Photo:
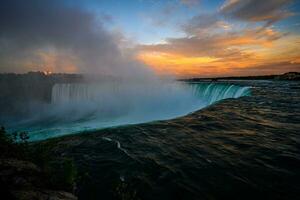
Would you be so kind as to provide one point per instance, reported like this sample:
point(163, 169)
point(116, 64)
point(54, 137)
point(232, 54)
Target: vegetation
point(14, 145)
point(54, 173)
point(46, 171)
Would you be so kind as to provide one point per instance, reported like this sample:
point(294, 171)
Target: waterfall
point(213, 92)
point(208, 92)
point(71, 92)
point(77, 107)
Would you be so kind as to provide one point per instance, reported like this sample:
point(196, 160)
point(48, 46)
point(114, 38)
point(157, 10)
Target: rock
point(44, 195)
point(19, 174)
point(19, 165)
point(23, 180)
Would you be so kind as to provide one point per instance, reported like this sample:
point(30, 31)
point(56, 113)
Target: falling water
point(79, 107)
point(213, 92)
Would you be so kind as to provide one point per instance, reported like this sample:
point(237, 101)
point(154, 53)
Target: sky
point(181, 38)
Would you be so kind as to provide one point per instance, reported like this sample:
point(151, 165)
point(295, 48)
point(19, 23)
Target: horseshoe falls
point(81, 107)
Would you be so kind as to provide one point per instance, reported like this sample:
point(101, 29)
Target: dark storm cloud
point(269, 11)
point(54, 34)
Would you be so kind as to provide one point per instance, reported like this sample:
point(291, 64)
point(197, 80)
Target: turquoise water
point(79, 108)
point(244, 148)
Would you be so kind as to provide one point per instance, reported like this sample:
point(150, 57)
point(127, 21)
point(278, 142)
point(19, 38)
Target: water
point(244, 148)
point(82, 107)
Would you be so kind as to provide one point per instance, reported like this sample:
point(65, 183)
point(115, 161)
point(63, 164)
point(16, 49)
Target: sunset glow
point(178, 38)
point(250, 55)
point(150, 99)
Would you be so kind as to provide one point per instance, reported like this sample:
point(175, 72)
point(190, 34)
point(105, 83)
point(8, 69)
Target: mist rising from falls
point(81, 107)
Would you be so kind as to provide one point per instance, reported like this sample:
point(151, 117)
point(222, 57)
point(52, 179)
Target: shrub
point(58, 173)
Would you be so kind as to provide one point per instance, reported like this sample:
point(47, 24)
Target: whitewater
point(83, 107)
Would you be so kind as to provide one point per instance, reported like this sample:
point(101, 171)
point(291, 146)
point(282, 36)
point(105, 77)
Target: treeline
point(293, 76)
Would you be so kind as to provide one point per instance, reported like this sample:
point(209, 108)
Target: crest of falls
point(207, 92)
point(213, 92)
point(77, 107)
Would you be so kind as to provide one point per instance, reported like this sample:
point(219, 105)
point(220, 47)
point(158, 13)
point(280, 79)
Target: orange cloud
point(215, 47)
point(224, 54)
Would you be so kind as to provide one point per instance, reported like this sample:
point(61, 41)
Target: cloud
point(269, 68)
point(215, 45)
point(268, 11)
point(205, 24)
point(161, 17)
point(38, 35)
point(224, 54)
point(189, 2)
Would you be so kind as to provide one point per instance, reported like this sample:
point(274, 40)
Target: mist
point(114, 88)
point(61, 36)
